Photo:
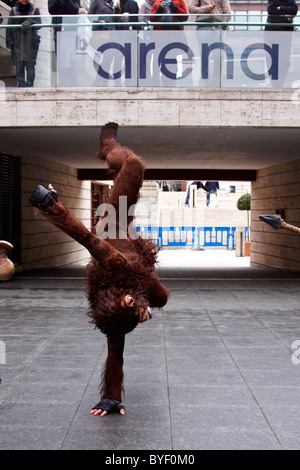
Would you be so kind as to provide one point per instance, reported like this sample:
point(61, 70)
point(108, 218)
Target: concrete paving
point(217, 368)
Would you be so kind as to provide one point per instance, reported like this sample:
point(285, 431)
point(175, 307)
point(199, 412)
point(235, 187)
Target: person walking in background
point(24, 41)
point(218, 11)
point(163, 12)
point(211, 187)
point(281, 11)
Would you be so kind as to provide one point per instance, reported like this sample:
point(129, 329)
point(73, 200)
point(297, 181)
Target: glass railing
point(96, 51)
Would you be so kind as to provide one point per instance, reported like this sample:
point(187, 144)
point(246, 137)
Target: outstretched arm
point(57, 213)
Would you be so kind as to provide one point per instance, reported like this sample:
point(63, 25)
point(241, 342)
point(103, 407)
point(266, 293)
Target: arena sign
point(175, 59)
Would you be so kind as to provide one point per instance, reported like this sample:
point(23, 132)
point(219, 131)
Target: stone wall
point(276, 188)
point(43, 245)
point(194, 107)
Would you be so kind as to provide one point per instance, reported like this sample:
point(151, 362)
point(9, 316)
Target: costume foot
point(109, 131)
point(43, 198)
point(107, 406)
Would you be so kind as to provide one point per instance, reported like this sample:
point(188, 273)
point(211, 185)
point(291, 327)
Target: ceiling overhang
point(190, 174)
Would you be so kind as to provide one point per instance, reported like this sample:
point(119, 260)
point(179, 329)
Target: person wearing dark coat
point(1, 19)
point(198, 184)
point(125, 7)
point(24, 41)
point(102, 7)
point(211, 187)
point(62, 7)
point(281, 11)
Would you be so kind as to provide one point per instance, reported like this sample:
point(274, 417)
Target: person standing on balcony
point(102, 7)
point(280, 18)
point(62, 7)
point(217, 11)
point(281, 11)
point(126, 8)
point(144, 12)
point(24, 41)
point(163, 12)
point(211, 187)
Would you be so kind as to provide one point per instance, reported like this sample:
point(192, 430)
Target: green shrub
point(244, 202)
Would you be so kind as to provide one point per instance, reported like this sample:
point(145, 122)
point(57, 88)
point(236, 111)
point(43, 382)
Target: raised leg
point(128, 167)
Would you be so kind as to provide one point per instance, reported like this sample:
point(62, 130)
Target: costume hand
point(107, 406)
point(26, 24)
point(43, 198)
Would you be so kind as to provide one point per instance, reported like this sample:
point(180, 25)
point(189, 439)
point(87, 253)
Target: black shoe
point(42, 197)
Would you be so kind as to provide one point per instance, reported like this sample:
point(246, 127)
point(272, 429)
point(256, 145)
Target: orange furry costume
point(121, 282)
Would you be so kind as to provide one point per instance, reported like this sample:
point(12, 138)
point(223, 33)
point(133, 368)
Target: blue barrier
point(152, 233)
point(213, 236)
point(195, 237)
point(177, 236)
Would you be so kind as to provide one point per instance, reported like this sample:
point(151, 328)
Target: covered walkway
point(213, 370)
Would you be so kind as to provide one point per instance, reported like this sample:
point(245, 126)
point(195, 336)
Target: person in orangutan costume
point(121, 283)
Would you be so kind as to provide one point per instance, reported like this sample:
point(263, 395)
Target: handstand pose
point(121, 282)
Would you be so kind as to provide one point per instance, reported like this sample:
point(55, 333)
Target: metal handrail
point(77, 22)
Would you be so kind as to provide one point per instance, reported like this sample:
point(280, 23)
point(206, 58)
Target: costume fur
point(119, 266)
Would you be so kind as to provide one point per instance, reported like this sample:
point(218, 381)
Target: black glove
point(109, 405)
